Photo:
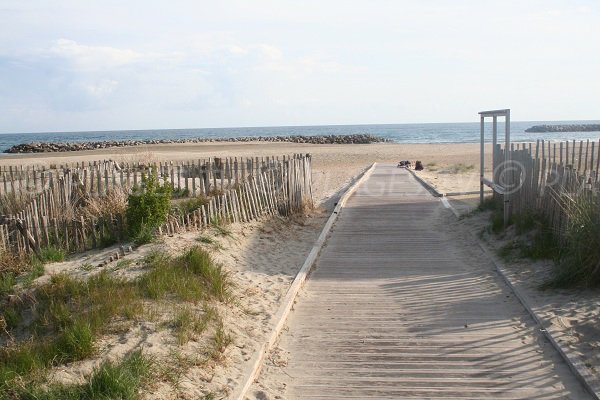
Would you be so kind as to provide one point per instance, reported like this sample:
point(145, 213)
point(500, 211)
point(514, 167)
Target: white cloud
point(101, 88)
point(93, 57)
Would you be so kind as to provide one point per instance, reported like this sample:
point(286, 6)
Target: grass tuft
point(186, 206)
point(221, 340)
point(579, 262)
point(190, 277)
point(144, 235)
point(189, 324)
point(52, 254)
point(221, 230)
point(205, 239)
point(121, 380)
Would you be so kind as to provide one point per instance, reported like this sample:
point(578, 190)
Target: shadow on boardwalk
point(399, 306)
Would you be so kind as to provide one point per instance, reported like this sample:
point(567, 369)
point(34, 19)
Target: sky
point(70, 65)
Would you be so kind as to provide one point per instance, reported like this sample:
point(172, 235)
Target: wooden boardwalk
point(400, 308)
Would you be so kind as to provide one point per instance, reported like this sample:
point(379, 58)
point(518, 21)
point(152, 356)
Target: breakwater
point(564, 128)
point(51, 147)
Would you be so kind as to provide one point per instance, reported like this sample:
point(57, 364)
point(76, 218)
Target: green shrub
point(147, 207)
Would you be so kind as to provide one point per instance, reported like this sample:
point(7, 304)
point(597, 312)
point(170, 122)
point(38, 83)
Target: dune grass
point(183, 207)
point(52, 254)
point(576, 256)
point(188, 324)
point(64, 319)
point(121, 380)
point(579, 261)
point(65, 316)
point(191, 277)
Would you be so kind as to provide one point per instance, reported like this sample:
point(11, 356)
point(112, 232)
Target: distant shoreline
point(57, 147)
point(467, 132)
point(564, 128)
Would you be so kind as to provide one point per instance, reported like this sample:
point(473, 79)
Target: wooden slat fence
point(239, 190)
point(543, 173)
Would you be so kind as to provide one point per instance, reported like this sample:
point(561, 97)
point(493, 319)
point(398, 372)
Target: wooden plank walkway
point(400, 307)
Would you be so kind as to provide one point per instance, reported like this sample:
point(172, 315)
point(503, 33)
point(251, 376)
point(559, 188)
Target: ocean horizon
point(435, 132)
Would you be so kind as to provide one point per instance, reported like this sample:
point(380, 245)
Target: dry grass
point(579, 260)
point(114, 202)
point(13, 203)
point(14, 262)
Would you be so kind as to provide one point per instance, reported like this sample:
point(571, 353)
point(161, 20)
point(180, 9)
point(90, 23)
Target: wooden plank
point(580, 155)
point(587, 148)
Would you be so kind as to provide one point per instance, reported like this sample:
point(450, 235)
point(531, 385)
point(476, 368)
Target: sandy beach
point(449, 167)
point(264, 256)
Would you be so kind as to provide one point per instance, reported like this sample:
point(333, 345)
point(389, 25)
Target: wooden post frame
point(494, 114)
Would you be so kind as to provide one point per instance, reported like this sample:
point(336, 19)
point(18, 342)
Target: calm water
point(400, 133)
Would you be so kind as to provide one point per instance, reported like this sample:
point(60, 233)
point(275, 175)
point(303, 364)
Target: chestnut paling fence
point(543, 176)
point(237, 190)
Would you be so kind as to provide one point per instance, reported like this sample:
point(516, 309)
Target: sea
point(465, 132)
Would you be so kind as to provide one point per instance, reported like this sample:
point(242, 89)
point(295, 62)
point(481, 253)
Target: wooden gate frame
point(494, 114)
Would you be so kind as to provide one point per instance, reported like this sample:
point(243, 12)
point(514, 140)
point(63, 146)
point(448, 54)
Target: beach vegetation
point(111, 380)
point(192, 276)
point(62, 319)
point(221, 340)
point(114, 202)
point(186, 206)
point(52, 254)
point(147, 207)
point(579, 258)
point(490, 203)
point(221, 230)
point(179, 193)
point(13, 203)
point(18, 268)
point(188, 323)
point(205, 239)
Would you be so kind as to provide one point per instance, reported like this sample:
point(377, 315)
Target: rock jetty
point(49, 147)
point(565, 128)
